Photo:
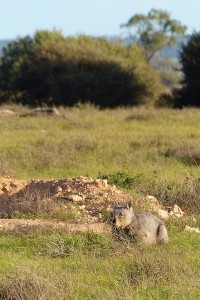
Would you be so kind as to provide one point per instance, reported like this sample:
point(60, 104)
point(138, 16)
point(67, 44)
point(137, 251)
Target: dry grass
point(27, 283)
point(35, 202)
point(188, 152)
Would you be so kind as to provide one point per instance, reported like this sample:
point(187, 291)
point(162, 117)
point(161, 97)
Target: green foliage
point(155, 30)
point(52, 70)
point(43, 37)
point(14, 55)
point(190, 60)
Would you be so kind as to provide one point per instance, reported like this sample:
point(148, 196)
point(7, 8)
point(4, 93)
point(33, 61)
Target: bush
point(123, 180)
point(52, 70)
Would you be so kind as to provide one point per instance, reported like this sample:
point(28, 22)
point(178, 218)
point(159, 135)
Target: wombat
point(144, 226)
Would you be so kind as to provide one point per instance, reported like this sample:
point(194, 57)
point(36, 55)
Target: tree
point(154, 31)
point(55, 70)
point(14, 54)
point(189, 95)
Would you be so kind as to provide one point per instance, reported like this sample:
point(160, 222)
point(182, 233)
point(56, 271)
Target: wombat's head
point(122, 216)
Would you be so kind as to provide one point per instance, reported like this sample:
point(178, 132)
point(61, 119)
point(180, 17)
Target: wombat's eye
point(121, 214)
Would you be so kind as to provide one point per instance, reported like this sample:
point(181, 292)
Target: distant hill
point(172, 52)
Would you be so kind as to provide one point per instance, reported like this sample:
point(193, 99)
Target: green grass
point(143, 151)
point(91, 266)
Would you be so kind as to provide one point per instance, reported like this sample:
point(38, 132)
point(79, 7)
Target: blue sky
point(97, 18)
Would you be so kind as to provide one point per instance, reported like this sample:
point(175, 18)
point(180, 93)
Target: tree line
point(50, 69)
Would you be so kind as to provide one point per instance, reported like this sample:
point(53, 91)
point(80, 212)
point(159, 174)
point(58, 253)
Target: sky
point(19, 18)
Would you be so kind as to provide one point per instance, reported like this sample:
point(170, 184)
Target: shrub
point(122, 179)
point(52, 70)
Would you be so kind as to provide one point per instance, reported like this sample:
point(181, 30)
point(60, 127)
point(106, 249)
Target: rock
point(75, 198)
point(82, 207)
point(191, 229)
point(163, 214)
point(153, 203)
point(151, 198)
point(194, 219)
point(98, 181)
point(58, 189)
point(174, 211)
point(178, 215)
point(104, 183)
point(177, 210)
point(113, 189)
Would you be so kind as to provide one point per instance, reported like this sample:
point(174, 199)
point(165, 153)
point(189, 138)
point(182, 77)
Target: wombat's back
point(150, 229)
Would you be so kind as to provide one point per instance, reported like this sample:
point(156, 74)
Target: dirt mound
point(83, 203)
point(90, 200)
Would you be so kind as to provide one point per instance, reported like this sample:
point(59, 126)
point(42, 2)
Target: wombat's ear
point(129, 205)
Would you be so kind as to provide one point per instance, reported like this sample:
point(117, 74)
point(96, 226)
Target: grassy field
point(47, 265)
point(90, 142)
point(143, 151)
